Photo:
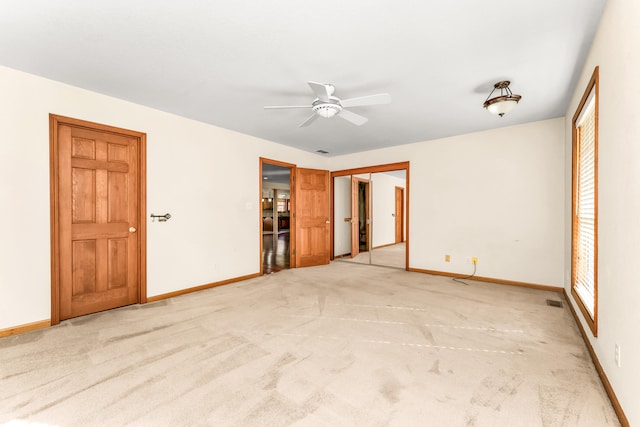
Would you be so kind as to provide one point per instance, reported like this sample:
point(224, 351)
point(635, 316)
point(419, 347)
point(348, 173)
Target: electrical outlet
point(474, 260)
point(447, 258)
point(617, 356)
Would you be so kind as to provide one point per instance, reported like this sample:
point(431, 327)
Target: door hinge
point(294, 252)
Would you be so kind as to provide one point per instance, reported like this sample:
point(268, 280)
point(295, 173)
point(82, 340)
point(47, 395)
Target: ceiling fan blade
point(321, 91)
point(279, 107)
point(354, 118)
point(381, 98)
point(309, 120)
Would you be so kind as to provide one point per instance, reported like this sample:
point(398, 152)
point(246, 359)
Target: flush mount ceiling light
point(504, 103)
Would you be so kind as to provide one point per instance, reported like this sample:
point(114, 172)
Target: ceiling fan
point(326, 105)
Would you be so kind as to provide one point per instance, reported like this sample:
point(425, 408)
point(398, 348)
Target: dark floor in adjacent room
point(275, 252)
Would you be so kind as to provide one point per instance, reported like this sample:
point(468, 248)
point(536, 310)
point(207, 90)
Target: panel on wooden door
point(312, 217)
point(98, 188)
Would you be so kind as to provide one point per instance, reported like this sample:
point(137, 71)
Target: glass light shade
point(326, 109)
point(327, 112)
point(502, 104)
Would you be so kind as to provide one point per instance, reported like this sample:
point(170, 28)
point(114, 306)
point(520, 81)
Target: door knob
point(328, 222)
point(132, 230)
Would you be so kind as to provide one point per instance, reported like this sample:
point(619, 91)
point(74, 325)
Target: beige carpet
point(338, 345)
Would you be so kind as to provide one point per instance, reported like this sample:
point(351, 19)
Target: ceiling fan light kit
point(505, 102)
point(326, 105)
point(326, 109)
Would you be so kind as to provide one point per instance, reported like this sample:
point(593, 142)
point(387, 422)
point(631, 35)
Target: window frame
point(592, 321)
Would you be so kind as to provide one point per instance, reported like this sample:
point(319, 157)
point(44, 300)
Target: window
point(584, 251)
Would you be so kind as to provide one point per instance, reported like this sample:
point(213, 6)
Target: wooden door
point(97, 219)
point(399, 215)
point(312, 217)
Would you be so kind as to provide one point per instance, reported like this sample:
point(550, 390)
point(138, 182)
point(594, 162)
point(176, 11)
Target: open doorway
point(275, 215)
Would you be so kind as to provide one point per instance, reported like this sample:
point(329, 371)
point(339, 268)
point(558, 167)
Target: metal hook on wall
point(161, 218)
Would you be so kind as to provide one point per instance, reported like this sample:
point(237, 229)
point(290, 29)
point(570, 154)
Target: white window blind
point(585, 214)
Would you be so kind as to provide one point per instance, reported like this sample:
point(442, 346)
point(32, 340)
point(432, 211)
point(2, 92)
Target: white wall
point(384, 207)
point(186, 162)
point(616, 49)
point(497, 195)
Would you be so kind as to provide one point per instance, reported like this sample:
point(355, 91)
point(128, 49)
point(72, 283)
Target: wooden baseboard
point(201, 287)
point(25, 328)
point(603, 377)
point(491, 280)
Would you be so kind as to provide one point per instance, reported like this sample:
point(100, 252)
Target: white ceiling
point(221, 61)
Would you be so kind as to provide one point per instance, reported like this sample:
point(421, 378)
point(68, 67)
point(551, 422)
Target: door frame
point(55, 121)
point(373, 169)
point(292, 215)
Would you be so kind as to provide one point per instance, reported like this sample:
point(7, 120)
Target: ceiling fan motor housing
point(327, 109)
